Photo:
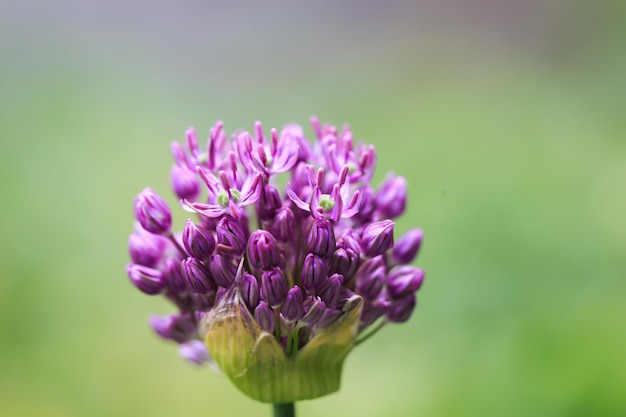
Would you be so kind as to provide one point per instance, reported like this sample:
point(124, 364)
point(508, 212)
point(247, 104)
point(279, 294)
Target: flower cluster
point(296, 263)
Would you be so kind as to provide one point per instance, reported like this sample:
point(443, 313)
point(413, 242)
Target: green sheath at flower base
point(256, 363)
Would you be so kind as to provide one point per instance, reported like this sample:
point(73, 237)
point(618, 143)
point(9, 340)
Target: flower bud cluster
point(300, 258)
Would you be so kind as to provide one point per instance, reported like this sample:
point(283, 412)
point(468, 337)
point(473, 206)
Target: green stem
point(285, 410)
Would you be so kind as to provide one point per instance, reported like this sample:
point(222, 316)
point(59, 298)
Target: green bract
point(257, 364)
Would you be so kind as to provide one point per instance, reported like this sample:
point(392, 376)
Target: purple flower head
point(152, 212)
point(285, 279)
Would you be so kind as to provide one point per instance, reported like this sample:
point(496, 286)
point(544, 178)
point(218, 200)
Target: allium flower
point(276, 286)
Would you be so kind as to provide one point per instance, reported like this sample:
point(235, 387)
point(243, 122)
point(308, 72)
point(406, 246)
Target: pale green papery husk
point(256, 363)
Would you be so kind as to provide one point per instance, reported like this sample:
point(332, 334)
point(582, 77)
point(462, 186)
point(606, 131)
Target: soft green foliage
point(516, 169)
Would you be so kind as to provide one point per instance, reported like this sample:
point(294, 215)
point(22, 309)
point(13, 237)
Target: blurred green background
point(507, 118)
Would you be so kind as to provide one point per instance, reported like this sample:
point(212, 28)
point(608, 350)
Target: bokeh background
point(507, 118)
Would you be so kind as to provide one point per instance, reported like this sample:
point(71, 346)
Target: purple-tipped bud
point(331, 290)
point(184, 183)
point(148, 280)
point(250, 291)
point(401, 310)
point(314, 272)
point(197, 276)
point(293, 309)
point(391, 196)
point(152, 212)
point(263, 251)
point(404, 280)
point(321, 239)
point(344, 262)
point(373, 310)
point(371, 277)
point(173, 277)
point(145, 248)
point(314, 309)
point(231, 234)
point(194, 351)
point(368, 205)
point(330, 316)
point(265, 317)
point(283, 224)
point(273, 287)
point(377, 238)
point(223, 270)
point(406, 248)
point(270, 202)
point(198, 241)
point(178, 327)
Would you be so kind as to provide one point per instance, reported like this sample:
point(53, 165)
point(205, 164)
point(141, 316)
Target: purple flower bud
point(177, 327)
point(406, 248)
point(321, 239)
point(371, 277)
point(223, 270)
point(377, 238)
point(273, 287)
point(270, 202)
point(263, 251)
point(198, 241)
point(194, 351)
point(197, 276)
point(148, 280)
point(373, 310)
point(330, 290)
point(401, 310)
point(184, 182)
point(314, 272)
point(152, 212)
point(283, 225)
point(368, 205)
point(391, 196)
point(344, 262)
point(330, 316)
point(314, 309)
point(404, 280)
point(231, 234)
point(146, 248)
point(250, 291)
point(173, 277)
point(293, 309)
point(265, 317)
